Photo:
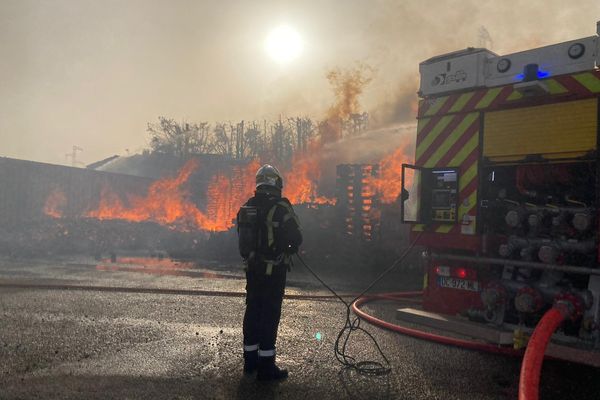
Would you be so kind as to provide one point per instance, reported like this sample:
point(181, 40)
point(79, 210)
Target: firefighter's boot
point(250, 361)
point(268, 371)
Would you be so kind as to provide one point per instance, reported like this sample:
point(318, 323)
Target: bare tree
point(221, 143)
point(255, 141)
point(281, 145)
point(304, 129)
point(278, 140)
point(240, 140)
point(356, 123)
point(179, 139)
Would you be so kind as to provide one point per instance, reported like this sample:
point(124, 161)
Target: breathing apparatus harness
point(256, 231)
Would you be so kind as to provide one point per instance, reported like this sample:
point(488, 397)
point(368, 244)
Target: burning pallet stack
point(357, 201)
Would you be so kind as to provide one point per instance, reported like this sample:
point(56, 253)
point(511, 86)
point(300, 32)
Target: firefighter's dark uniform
point(279, 237)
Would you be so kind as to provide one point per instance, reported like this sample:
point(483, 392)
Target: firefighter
point(269, 234)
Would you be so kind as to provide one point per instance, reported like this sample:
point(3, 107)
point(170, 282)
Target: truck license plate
point(454, 283)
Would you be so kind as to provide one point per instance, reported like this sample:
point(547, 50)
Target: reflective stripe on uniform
point(271, 225)
point(266, 353)
point(290, 214)
point(274, 263)
point(287, 258)
point(252, 347)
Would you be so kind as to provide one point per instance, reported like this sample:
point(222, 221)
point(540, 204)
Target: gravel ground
point(80, 344)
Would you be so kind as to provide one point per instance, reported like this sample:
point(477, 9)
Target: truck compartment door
point(429, 195)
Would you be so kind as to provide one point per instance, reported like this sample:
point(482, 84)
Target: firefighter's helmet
point(268, 175)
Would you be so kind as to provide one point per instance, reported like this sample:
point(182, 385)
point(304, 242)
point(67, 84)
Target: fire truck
point(504, 193)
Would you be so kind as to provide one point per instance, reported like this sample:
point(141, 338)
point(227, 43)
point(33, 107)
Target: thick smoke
point(347, 86)
point(57, 80)
point(400, 107)
point(370, 147)
point(401, 34)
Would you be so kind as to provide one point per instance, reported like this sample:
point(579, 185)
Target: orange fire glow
point(300, 184)
point(226, 193)
point(167, 202)
point(389, 182)
point(347, 87)
point(55, 204)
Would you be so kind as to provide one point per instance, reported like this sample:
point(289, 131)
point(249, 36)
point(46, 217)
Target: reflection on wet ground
point(71, 331)
point(155, 266)
point(168, 270)
point(159, 262)
point(171, 267)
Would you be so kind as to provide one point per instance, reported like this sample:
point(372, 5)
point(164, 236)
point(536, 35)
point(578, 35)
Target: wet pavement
point(177, 342)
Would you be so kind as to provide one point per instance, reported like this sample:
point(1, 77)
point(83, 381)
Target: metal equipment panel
point(553, 131)
point(461, 70)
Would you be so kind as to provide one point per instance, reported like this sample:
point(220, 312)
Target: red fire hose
point(534, 355)
point(468, 344)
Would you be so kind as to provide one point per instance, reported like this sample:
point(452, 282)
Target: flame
point(226, 193)
point(347, 86)
point(389, 182)
point(167, 203)
point(300, 183)
point(55, 204)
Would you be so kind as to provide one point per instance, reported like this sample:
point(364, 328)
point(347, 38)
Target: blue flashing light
point(540, 75)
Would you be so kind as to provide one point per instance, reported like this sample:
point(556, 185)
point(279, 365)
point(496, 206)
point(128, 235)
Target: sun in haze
point(284, 44)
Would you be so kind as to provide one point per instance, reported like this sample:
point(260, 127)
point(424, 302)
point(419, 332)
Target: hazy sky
point(94, 73)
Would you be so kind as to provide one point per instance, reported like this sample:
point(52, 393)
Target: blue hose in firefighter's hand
point(353, 325)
